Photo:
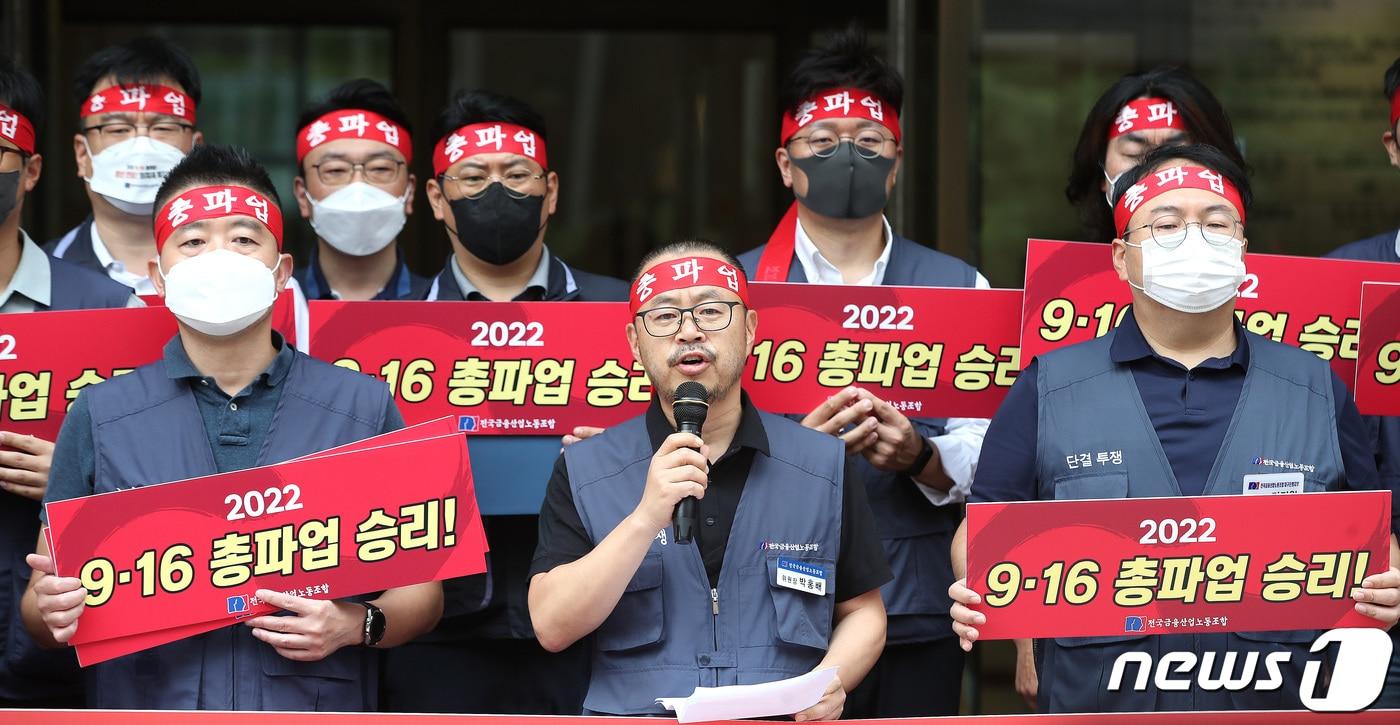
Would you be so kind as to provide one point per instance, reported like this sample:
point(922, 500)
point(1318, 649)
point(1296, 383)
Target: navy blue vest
point(26, 671)
point(670, 633)
point(76, 288)
point(1088, 403)
point(917, 535)
point(321, 406)
point(1380, 248)
point(75, 247)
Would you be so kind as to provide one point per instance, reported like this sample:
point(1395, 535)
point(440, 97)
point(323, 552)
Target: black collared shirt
point(862, 565)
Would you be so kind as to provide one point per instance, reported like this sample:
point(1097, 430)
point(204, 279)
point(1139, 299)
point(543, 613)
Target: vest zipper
point(714, 607)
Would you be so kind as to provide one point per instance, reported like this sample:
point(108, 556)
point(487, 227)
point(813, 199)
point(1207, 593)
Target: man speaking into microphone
point(784, 571)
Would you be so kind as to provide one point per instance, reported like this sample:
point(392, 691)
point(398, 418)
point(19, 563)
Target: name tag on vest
point(802, 577)
point(1267, 484)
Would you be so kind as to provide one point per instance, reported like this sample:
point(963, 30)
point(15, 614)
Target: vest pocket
point(803, 619)
point(334, 683)
point(639, 617)
point(1091, 485)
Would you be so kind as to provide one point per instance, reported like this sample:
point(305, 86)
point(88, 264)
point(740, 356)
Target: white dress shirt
point(137, 281)
point(961, 444)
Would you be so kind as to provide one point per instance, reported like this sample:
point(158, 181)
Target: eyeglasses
point(1169, 231)
point(117, 131)
point(708, 317)
point(518, 183)
point(338, 172)
point(823, 143)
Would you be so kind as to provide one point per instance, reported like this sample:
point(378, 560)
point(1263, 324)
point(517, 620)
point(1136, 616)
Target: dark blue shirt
point(1191, 411)
point(237, 425)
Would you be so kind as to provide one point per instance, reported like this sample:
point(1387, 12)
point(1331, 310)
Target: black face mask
point(845, 185)
point(497, 227)
point(9, 184)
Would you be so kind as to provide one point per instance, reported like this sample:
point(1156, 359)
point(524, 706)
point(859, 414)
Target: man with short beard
point(667, 617)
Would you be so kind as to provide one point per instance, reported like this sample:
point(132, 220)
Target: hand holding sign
point(24, 471)
point(966, 619)
point(847, 415)
point(316, 630)
point(59, 599)
point(1379, 597)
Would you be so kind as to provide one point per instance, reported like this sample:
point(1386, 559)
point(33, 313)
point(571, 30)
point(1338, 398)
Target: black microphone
point(690, 408)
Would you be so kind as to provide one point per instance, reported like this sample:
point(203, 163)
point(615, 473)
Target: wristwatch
point(374, 624)
point(921, 460)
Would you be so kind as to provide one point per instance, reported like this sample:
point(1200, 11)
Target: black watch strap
point(917, 466)
point(374, 624)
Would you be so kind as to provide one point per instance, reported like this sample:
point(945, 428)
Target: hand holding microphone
point(679, 470)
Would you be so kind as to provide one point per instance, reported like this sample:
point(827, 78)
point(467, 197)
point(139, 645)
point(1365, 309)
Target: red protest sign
point(102, 650)
point(541, 368)
point(512, 368)
point(1175, 565)
point(929, 351)
point(1378, 363)
point(195, 551)
point(1073, 294)
point(46, 358)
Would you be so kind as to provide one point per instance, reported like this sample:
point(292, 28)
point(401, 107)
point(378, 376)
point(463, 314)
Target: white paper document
point(736, 702)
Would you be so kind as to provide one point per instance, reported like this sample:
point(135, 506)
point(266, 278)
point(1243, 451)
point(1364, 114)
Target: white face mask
point(1196, 276)
point(220, 292)
point(129, 173)
point(360, 219)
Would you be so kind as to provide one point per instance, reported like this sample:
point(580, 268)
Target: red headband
point(353, 123)
point(1145, 113)
point(688, 272)
point(139, 98)
point(1394, 109)
point(840, 103)
point(487, 138)
point(1170, 179)
point(217, 202)
point(15, 127)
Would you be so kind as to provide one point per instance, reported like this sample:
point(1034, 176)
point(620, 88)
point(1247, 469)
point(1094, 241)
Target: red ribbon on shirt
point(353, 123)
point(1143, 114)
point(217, 202)
point(776, 260)
point(488, 138)
point(15, 127)
point(687, 272)
point(139, 98)
point(1171, 179)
